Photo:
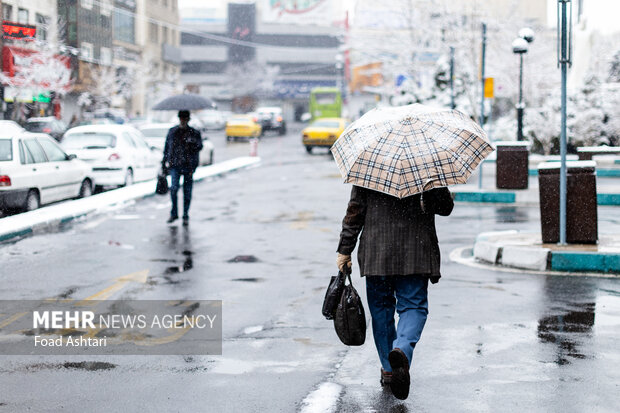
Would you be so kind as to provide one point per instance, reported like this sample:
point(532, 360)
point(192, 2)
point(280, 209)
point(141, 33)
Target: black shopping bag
point(162, 184)
point(332, 295)
point(350, 319)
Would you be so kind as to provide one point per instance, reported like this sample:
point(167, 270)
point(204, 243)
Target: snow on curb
point(54, 215)
point(322, 400)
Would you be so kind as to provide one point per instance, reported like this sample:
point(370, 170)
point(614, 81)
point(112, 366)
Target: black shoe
point(400, 374)
point(171, 219)
point(185, 221)
point(386, 377)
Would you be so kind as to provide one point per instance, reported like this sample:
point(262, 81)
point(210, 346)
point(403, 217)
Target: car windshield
point(240, 119)
point(155, 132)
point(326, 124)
point(88, 140)
point(6, 150)
point(37, 126)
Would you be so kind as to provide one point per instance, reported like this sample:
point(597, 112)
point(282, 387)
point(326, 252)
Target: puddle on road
point(244, 258)
point(249, 279)
point(80, 365)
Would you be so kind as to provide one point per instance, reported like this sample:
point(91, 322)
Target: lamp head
point(527, 34)
point(519, 46)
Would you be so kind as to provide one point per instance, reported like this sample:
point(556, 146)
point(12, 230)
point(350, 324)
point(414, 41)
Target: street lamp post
point(520, 46)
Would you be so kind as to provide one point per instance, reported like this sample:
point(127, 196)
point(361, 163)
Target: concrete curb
point(54, 215)
point(503, 249)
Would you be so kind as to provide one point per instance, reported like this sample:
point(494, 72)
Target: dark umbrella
point(186, 101)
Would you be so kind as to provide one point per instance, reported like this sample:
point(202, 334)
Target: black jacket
point(399, 237)
point(182, 148)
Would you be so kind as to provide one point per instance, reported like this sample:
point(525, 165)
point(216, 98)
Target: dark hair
point(184, 114)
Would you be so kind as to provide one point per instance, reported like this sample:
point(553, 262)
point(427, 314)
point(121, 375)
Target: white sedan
point(118, 154)
point(155, 135)
point(34, 170)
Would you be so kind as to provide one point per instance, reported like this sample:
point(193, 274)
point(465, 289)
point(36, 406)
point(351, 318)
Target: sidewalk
point(526, 251)
point(607, 184)
point(56, 214)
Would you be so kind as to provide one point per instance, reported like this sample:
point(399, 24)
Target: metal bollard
point(253, 147)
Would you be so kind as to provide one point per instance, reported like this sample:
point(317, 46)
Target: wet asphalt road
point(494, 341)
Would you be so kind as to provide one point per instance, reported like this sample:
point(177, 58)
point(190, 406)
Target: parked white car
point(34, 170)
point(118, 154)
point(212, 119)
point(155, 135)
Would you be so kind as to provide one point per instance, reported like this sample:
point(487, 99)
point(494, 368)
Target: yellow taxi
point(323, 132)
point(243, 126)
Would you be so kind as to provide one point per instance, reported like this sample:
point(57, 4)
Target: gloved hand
point(344, 263)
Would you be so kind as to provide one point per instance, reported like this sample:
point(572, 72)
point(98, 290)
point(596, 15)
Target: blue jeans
point(188, 182)
point(408, 296)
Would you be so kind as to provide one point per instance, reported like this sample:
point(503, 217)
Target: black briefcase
point(162, 184)
point(350, 319)
point(333, 295)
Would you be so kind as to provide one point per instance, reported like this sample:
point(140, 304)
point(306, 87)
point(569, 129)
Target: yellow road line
point(12, 319)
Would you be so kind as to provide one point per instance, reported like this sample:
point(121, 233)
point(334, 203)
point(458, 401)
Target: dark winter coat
point(398, 237)
point(182, 148)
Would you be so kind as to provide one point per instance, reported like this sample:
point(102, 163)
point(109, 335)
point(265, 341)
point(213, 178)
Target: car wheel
point(86, 189)
point(32, 201)
point(229, 138)
point(128, 177)
point(282, 130)
point(308, 148)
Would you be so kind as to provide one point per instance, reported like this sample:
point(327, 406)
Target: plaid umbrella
point(406, 150)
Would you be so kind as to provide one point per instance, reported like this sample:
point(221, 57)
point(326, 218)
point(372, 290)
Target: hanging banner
point(318, 12)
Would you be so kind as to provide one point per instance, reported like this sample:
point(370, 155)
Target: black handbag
point(162, 184)
point(350, 319)
point(333, 295)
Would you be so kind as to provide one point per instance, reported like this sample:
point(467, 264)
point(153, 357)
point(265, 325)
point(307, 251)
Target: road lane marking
point(119, 284)
point(11, 319)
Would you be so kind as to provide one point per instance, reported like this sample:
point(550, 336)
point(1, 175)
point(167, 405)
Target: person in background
point(181, 152)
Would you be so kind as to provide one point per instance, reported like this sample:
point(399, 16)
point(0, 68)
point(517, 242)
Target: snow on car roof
point(101, 128)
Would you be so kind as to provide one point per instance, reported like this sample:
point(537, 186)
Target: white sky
point(602, 14)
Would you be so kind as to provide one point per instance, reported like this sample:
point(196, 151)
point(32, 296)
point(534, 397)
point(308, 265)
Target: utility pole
point(482, 79)
point(452, 104)
point(564, 61)
point(482, 76)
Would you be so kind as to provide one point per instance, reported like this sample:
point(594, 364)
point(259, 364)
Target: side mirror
point(71, 157)
point(306, 117)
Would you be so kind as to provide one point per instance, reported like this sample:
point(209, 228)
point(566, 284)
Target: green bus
point(325, 102)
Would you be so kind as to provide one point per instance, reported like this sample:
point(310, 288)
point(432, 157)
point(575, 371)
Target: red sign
point(35, 69)
point(18, 31)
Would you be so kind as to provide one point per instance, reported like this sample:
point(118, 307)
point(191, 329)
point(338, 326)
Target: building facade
point(233, 50)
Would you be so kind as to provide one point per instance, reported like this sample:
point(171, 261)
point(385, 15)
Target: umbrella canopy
point(406, 150)
point(186, 101)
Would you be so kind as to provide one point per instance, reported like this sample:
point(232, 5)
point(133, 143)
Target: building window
point(164, 34)
point(124, 26)
point(7, 12)
point(42, 26)
point(87, 51)
point(153, 32)
point(22, 16)
point(106, 56)
point(86, 4)
point(106, 7)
